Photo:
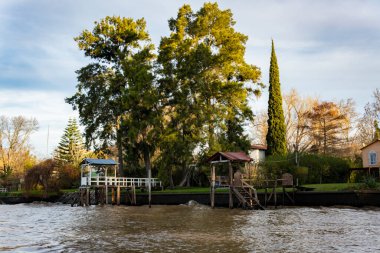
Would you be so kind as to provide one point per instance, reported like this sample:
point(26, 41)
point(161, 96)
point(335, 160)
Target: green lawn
point(334, 187)
point(317, 187)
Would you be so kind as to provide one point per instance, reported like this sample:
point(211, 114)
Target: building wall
point(375, 147)
point(257, 155)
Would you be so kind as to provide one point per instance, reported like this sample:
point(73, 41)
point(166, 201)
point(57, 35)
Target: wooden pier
point(100, 177)
point(245, 193)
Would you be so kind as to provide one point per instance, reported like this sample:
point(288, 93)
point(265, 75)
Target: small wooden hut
point(244, 192)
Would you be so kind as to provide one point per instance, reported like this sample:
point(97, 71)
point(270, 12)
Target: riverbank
point(333, 198)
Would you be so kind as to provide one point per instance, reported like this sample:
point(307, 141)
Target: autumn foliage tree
point(15, 156)
point(326, 124)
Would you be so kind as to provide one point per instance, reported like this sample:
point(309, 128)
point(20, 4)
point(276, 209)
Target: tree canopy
point(192, 99)
point(205, 83)
point(112, 87)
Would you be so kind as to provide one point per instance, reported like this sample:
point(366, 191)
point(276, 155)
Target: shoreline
point(345, 198)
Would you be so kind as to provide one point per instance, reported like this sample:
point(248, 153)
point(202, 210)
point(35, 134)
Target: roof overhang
point(99, 162)
point(369, 144)
point(229, 157)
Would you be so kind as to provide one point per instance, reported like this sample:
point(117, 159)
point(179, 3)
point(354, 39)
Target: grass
point(333, 186)
point(317, 187)
point(33, 193)
point(186, 190)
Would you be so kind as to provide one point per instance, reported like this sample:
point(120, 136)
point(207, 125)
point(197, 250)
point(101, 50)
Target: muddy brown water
point(43, 227)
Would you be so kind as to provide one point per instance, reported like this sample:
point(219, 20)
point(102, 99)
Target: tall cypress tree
point(71, 148)
point(276, 136)
point(377, 131)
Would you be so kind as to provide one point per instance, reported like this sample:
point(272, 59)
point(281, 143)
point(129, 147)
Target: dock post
point(133, 195)
point(87, 196)
point(113, 195)
point(101, 196)
point(106, 193)
point(127, 197)
point(118, 196)
point(230, 200)
point(212, 186)
point(275, 193)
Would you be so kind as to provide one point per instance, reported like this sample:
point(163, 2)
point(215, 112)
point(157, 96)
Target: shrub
point(369, 182)
point(44, 174)
point(312, 168)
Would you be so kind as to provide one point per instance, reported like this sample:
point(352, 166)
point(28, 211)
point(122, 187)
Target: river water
point(44, 227)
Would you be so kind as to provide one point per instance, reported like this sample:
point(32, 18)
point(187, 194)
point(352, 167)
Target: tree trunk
point(147, 160)
point(171, 182)
point(120, 152)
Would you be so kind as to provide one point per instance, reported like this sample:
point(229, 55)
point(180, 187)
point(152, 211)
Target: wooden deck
point(123, 182)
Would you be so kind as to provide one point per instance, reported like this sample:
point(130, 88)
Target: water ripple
point(41, 227)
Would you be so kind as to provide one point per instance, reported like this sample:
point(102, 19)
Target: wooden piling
point(134, 195)
point(113, 195)
point(230, 199)
point(87, 196)
point(118, 196)
point(106, 194)
point(212, 193)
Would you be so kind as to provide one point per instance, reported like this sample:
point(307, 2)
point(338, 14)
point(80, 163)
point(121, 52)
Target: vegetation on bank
point(332, 187)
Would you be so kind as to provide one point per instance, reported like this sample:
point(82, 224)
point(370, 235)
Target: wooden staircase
point(247, 196)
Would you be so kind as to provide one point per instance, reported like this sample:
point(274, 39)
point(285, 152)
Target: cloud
point(324, 48)
point(48, 108)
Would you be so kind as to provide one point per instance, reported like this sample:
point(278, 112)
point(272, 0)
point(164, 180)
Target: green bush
point(369, 182)
point(312, 168)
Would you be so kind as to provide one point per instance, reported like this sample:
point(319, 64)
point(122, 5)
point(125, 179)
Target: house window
point(372, 158)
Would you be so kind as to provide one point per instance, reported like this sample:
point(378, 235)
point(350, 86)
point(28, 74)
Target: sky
point(329, 49)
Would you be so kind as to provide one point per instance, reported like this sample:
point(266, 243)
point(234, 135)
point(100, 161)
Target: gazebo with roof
point(243, 191)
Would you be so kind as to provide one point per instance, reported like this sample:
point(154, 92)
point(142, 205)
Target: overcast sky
point(329, 49)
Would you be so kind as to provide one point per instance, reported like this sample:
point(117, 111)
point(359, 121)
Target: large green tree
point(115, 87)
point(205, 80)
point(276, 136)
point(70, 149)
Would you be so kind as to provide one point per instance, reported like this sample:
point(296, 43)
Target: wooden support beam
point(106, 194)
point(133, 195)
point(127, 198)
point(113, 195)
point(212, 188)
point(118, 196)
point(230, 199)
point(87, 196)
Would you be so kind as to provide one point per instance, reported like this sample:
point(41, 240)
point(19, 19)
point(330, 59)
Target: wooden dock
point(100, 176)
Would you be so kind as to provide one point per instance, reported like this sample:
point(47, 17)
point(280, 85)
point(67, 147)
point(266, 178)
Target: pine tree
point(276, 136)
point(70, 149)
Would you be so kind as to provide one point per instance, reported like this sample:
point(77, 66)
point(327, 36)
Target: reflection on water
point(194, 228)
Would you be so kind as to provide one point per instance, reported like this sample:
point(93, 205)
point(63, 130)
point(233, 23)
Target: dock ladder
point(247, 196)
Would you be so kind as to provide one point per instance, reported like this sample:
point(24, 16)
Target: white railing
point(122, 181)
point(3, 189)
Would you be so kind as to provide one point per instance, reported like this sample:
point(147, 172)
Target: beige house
point(371, 155)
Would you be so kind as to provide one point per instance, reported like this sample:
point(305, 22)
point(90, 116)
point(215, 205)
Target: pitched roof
point(259, 147)
point(369, 144)
point(92, 161)
point(231, 156)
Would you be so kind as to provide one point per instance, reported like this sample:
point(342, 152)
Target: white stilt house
point(103, 172)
